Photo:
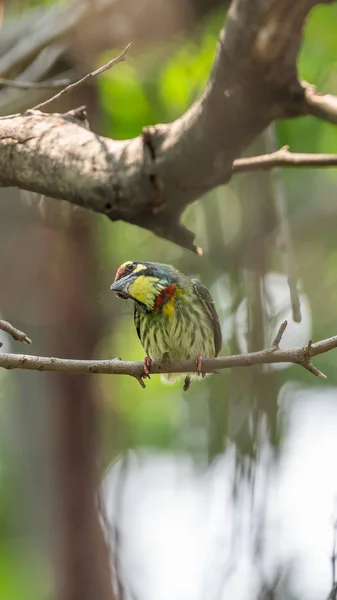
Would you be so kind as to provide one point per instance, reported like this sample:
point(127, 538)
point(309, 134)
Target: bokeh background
point(229, 489)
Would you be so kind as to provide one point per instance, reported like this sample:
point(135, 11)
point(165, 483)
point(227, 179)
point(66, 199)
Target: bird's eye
point(124, 270)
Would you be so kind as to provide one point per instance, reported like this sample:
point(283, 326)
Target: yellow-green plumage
point(173, 314)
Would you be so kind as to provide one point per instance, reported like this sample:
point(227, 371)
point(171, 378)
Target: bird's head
point(148, 284)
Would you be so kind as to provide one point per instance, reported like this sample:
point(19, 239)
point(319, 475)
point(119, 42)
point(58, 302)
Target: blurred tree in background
point(58, 432)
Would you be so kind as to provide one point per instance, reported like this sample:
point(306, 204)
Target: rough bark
point(150, 180)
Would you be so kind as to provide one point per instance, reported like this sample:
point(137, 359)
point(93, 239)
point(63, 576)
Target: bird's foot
point(187, 383)
point(165, 358)
point(199, 360)
point(147, 367)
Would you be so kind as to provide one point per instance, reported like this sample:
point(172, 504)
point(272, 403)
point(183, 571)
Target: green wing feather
point(207, 300)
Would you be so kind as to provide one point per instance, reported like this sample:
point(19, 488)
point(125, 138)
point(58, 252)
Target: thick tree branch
point(150, 180)
point(301, 356)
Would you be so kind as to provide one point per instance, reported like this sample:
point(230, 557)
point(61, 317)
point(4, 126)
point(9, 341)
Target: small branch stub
point(276, 343)
point(16, 334)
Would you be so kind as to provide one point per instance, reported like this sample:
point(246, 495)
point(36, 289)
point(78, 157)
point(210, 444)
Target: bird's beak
point(120, 287)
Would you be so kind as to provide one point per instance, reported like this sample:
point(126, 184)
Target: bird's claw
point(187, 383)
point(199, 360)
point(147, 367)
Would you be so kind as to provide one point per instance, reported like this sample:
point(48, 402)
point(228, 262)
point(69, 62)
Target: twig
point(32, 85)
point(322, 106)
point(277, 340)
point(16, 334)
point(280, 204)
point(283, 158)
point(12, 99)
point(301, 356)
point(70, 88)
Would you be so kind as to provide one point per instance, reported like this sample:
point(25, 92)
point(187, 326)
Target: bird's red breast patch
point(166, 295)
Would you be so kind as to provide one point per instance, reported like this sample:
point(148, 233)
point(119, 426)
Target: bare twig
point(280, 204)
point(12, 99)
point(70, 88)
point(32, 85)
point(301, 356)
point(16, 334)
point(322, 106)
point(283, 158)
point(277, 340)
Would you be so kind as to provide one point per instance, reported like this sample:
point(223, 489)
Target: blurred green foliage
point(159, 84)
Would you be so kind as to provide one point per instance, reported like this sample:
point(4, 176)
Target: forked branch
point(274, 354)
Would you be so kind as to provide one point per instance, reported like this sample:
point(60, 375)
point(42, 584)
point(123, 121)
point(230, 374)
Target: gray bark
point(150, 180)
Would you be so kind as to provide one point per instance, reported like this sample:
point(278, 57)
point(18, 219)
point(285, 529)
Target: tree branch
point(16, 334)
point(149, 180)
point(283, 158)
point(301, 356)
point(73, 86)
point(322, 106)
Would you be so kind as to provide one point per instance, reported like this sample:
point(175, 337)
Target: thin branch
point(322, 106)
point(16, 334)
point(279, 335)
point(70, 88)
point(301, 356)
point(283, 158)
point(32, 85)
point(12, 99)
point(280, 203)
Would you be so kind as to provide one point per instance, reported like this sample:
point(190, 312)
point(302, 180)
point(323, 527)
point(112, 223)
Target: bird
point(175, 316)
